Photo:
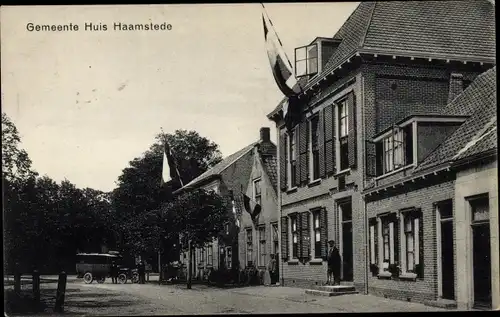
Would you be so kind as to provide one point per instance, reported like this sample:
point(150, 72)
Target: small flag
point(170, 170)
point(280, 64)
point(251, 206)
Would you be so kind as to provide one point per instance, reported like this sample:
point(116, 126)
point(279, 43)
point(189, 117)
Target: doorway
point(481, 255)
point(346, 249)
point(447, 251)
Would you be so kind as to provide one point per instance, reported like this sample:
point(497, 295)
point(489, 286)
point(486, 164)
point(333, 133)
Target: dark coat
point(334, 260)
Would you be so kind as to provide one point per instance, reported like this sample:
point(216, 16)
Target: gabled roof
point(271, 169)
point(478, 132)
point(431, 29)
point(220, 167)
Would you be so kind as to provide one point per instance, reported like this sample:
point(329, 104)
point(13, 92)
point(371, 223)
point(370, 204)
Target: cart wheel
point(101, 280)
point(122, 278)
point(135, 278)
point(88, 278)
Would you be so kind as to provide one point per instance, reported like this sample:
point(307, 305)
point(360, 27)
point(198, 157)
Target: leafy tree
point(139, 194)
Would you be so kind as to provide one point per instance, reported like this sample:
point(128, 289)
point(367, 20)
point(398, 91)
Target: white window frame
point(210, 255)
point(394, 157)
point(292, 218)
point(415, 223)
point(344, 101)
point(384, 268)
point(249, 251)
point(273, 235)
point(289, 140)
point(313, 232)
point(310, 148)
point(373, 253)
point(259, 196)
point(307, 59)
point(262, 245)
point(229, 259)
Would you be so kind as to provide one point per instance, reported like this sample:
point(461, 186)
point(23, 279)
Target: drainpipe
point(365, 212)
point(278, 191)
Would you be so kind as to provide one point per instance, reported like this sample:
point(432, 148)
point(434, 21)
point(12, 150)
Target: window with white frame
point(387, 238)
point(394, 152)
point(229, 257)
point(411, 242)
point(202, 257)
point(343, 133)
point(306, 60)
point(210, 260)
point(314, 147)
point(295, 236)
point(317, 233)
point(257, 194)
point(262, 246)
point(249, 247)
point(373, 245)
point(292, 158)
point(275, 238)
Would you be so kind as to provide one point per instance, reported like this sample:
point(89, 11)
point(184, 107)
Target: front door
point(481, 255)
point(346, 241)
point(447, 251)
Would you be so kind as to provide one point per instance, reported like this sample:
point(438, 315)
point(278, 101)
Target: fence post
point(36, 286)
point(17, 282)
point(61, 290)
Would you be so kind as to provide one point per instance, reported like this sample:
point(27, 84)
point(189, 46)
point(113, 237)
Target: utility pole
point(159, 265)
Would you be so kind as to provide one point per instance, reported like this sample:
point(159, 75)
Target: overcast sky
point(86, 103)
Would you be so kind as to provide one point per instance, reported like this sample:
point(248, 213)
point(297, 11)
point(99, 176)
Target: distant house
point(373, 113)
point(251, 171)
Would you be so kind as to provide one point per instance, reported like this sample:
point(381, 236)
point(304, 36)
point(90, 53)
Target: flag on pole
point(280, 64)
point(170, 170)
point(251, 206)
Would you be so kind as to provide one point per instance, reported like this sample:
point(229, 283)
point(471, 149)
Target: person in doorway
point(272, 269)
point(333, 264)
point(141, 269)
point(114, 273)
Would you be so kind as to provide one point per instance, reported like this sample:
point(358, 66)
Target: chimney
point(265, 135)
point(456, 86)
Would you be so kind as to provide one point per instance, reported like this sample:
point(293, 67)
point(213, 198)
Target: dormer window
point(394, 154)
point(306, 60)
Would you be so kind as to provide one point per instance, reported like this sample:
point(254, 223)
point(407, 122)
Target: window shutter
point(352, 130)
point(396, 240)
point(370, 158)
point(284, 238)
point(304, 169)
point(408, 145)
point(379, 158)
point(283, 161)
point(421, 244)
point(329, 140)
point(323, 223)
point(305, 235)
point(321, 144)
point(297, 156)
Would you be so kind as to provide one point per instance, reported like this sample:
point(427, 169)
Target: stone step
point(318, 292)
point(336, 288)
point(442, 303)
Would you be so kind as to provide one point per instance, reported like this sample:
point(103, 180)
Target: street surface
point(153, 299)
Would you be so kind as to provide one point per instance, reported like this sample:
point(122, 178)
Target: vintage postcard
point(250, 158)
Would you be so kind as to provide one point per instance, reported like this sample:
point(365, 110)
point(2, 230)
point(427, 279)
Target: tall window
point(202, 257)
point(262, 246)
point(306, 60)
point(343, 111)
point(275, 238)
point(410, 243)
point(210, 260)
point(317, 234)
point(394, 152)
point(295, 237)
point(292, 149)
point(373, 246)
point(229, 257)
point(249, 247)
point(387, 242)
point(257, 191)
point(314, 132)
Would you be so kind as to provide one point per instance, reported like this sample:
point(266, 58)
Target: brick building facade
point(371, 113)
point(251, 171)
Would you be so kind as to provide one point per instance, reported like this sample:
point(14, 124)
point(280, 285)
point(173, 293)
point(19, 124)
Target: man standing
point(333, 264)
point(141, 269)
point(272, 269)
point(114, 273)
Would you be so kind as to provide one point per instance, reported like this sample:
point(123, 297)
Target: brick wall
point(424, 198)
